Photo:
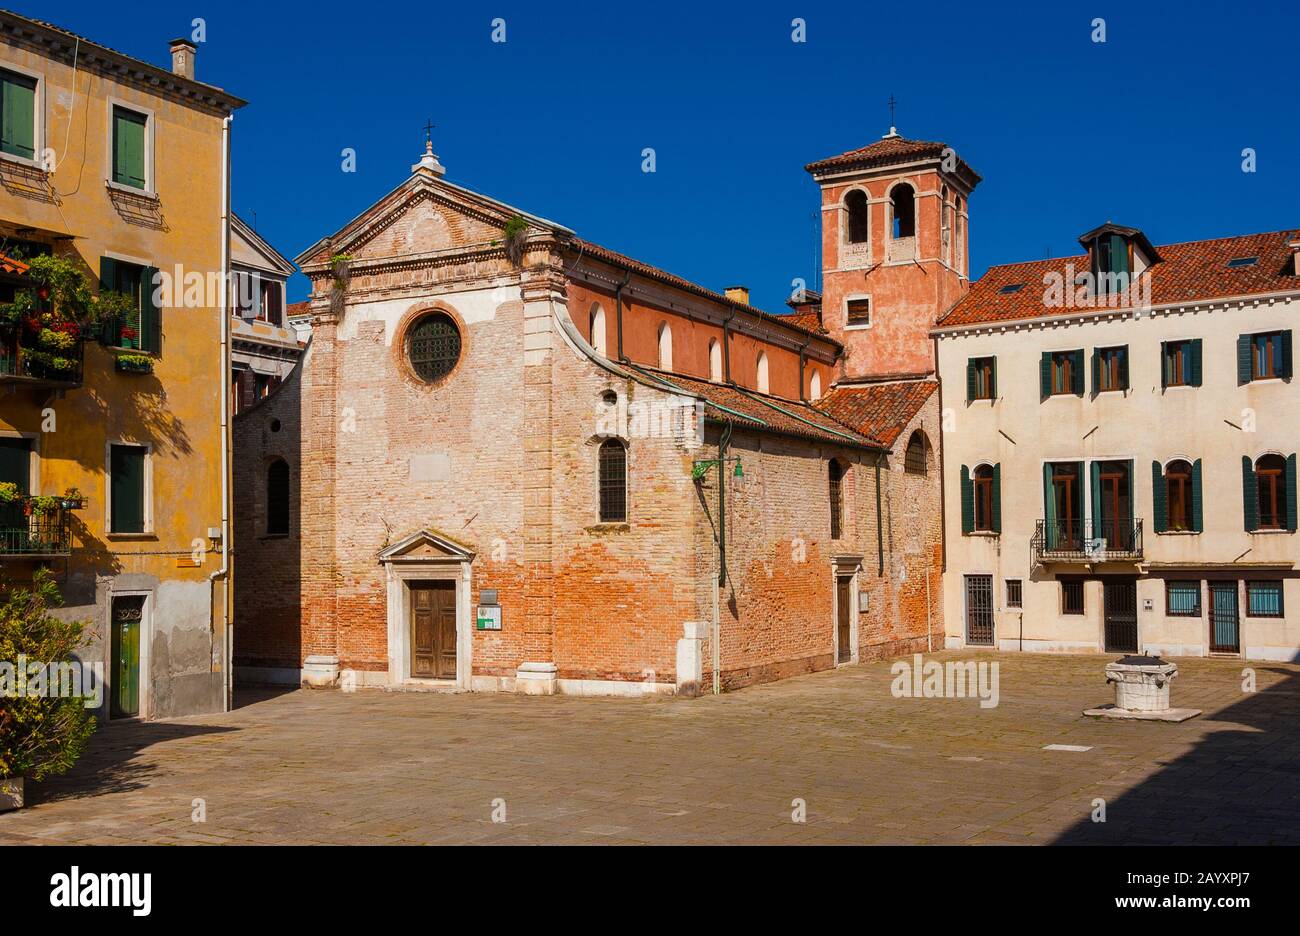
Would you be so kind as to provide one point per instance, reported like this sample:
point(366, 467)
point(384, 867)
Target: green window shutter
point(150, 313)
point(1198, 510)
point(1077, 375)
point(1045, 374)
point(970, 379)
point(107, 283)
point(126, 463)
point(1249, 495)
point(1094, 490)
point(128, 147)
point(1096, 372)
point(1164, 365)
point(967, 501)
point(1049, 502)
point(997, 499)
point(993, 373)
point(1290, 493)
point(1159, 498)
point(17, 115)
point(1285, 371)
point(1123, 367)
point(1194, 362)
point(1243, 359)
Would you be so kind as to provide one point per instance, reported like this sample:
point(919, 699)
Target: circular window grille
point(433, 347)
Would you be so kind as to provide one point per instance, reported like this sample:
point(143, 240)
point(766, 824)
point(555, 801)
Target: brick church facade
point(514, 460)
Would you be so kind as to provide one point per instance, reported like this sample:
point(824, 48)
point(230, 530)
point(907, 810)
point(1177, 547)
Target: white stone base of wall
point(1274, 654)
point(1013, 644)
point(1174, 650)
point(320, 672)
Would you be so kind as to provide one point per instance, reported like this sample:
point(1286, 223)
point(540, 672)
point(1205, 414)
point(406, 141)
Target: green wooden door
point(15, 468)
point(127, 613)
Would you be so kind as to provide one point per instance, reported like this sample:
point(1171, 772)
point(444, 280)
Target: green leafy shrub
point(39, 736)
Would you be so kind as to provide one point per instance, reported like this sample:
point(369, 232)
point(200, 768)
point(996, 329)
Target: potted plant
point(73, 499)
point(40, 734)
point(134, 364)
point(9, 493)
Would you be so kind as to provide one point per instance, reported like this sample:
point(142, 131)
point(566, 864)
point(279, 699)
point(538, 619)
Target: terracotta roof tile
point(297, 308)
point(888, 151)
point(10, 265)
point(880, 410)
point(1195, 271)
point(763, 413)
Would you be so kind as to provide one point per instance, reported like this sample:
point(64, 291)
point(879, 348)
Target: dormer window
point(1117, 255)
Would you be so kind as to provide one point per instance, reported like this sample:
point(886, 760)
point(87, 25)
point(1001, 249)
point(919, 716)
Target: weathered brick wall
point(268, 583)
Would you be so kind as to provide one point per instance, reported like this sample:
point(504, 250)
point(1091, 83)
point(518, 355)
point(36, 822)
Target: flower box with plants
point(44, 328)
point(41, 733)
point(133, 364)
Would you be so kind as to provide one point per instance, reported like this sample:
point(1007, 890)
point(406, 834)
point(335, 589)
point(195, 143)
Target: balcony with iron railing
point(1092, 540)
point(25, 360)
point(36, 527)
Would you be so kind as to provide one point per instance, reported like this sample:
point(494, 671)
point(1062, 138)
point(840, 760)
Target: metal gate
point(1224, 634)
point(979, 610)
point(1121, 620)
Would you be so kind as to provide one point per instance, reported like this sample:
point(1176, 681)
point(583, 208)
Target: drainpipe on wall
point(721, 580)
point(618, 314)
point(880, 528)
point(223, 573)
point(803, 398)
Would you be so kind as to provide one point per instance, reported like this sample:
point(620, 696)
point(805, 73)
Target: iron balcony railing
point(21, 362)
point(33, 530)
point(1106, 540)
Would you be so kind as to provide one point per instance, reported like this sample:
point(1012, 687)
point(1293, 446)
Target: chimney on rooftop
point(738, 294)
point(1295, 257)
point(183, 52)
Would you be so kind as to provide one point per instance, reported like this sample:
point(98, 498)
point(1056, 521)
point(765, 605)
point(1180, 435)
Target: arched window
point(857, 229)
point(1270, 479)
point(613, 482)
point(277, 498)
point(837, 470)
point(1178, 493)
point(761, 380)
point(665, 347)
point(815, 386)
point(598, 330)
point(982, 484)
point(915, 460)
point(959, 228)
point(715, 360)
point(945, 225)
point(902, 208)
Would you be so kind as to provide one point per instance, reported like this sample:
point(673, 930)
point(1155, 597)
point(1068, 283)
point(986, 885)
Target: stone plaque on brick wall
point(431, 466)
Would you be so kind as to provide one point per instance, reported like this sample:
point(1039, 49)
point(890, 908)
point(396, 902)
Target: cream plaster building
point(1120, 450)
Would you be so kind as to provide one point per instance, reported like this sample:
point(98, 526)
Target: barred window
point(613, 482)
point(433, 347)
point(1015, 593)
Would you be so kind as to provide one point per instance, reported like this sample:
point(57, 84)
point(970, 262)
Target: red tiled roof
point(297, 308)
point(809, 321)
point(880, 410)
point(645, 269)
point(888, 151)
point(761, 412)
point(10, 265)
point(1195, 271)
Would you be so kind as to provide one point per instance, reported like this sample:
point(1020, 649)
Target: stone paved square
point(376, 767)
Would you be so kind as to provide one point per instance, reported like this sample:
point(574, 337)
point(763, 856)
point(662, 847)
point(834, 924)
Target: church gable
point(423, 223)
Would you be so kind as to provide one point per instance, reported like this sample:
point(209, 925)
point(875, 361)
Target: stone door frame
point(427, 556)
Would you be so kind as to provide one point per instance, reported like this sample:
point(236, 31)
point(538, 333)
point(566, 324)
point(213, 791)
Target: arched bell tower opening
point(894, 229)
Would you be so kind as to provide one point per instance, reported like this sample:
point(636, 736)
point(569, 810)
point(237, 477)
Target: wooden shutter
point(18, 115)
point(1244, 370)
point(108, 283)
point(127, 467)
point(1290, 493)
point(1164, 364)
point(967, 501)
point(1045, 374)
point(1096, 371)
point(1159, 498)
point(1123, 367)
point(1094, 492)
point(1194, 362)
point(1076, 375)
point(970, 379)
point(128, 147)
point(150, 313)
point(993, 375)
point(1198, 511)
point(997, 499)
point(1284, 368)
point(1049, 502)
point(1249, 495)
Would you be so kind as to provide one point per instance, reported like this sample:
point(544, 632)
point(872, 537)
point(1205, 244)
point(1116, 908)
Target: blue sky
point(1146, 129)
